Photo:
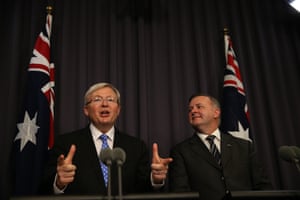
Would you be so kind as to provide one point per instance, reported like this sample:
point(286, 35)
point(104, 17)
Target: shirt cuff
point(56, 190)
point(155, 185)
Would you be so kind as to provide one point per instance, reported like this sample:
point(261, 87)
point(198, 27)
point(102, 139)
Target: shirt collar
point(96, 133)
point(215, 133)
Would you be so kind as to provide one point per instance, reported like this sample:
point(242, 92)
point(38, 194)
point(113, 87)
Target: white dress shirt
point(217, 139)
point(96, 137)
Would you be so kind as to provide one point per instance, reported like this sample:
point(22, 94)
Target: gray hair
point(99, 86)
point(213, 100)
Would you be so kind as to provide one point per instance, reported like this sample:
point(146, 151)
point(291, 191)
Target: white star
point(241, 132)
point(27, 130)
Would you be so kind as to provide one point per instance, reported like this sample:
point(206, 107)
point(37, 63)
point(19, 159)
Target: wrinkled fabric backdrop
point(158, 53)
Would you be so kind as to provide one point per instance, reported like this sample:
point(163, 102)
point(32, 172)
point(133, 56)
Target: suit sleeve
point(46, 184)
point(260, 179)
point(178, 177)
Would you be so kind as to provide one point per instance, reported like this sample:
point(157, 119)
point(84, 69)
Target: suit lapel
point(226, 149)
point(199, 148)
point(92, 156)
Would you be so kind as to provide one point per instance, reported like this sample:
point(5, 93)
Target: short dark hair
point(212, 99)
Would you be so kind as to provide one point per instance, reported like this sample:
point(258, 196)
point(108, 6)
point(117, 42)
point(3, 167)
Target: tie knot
point(210, 138)
point(103, 137)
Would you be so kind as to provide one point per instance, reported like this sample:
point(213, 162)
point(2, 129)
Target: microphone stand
point(120, 179)
point(109, 180)
point(106, 158)
point(119, 156)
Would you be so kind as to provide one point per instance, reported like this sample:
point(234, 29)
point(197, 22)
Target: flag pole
point(226, 35)
point(49, 9)
point(226, 31)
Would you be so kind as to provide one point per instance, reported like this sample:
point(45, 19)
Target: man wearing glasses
point(74, 166)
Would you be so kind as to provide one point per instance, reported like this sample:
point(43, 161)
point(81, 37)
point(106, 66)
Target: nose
point(104, 102)
point(192, 109)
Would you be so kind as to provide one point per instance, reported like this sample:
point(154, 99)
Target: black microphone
point(290, 154)
point(297, 151)
point(106, 156)
point(119, 156)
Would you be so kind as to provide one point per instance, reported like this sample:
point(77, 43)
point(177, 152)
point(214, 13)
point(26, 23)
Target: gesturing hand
point(65, 168)
point(159, 166)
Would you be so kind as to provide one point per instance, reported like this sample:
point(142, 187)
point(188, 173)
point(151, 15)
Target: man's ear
point(85, 111)
point(119, 110)
point(217, 113)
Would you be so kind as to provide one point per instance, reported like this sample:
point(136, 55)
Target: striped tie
point(213, 148)
point(104, 168)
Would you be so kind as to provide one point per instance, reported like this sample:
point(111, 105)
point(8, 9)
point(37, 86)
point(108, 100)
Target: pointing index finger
point(71, 154)
point(155, 155)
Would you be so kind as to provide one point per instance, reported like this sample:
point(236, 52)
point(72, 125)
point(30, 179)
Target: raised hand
point(65, 168)
point(159, 166)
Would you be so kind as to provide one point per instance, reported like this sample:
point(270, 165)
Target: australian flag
point(235, 115)
point(35, 128)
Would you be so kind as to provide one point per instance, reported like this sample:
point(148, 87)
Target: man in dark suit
point(213, 169)
point(74, 166)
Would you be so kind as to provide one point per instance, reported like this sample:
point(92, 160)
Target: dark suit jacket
point(88, 179)
point(194, 168)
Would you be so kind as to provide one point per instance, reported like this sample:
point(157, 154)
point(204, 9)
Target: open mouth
point(104, 113)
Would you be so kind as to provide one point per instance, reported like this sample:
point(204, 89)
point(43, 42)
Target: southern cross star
point(27, 130)
point(241, 132)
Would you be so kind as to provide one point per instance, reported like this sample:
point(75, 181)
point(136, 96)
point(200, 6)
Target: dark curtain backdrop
point(158, 53)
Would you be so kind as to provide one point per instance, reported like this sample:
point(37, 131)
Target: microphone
point(290, 154)
point(106, 156)
point(297, 151)
point(119, 156)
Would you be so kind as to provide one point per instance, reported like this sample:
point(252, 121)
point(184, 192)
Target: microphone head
point(297, 151)
point(106, 156)
point(287, 153)
point(119, 155)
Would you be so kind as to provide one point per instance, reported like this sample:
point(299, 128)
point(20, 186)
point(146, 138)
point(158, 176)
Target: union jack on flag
point(235, 115)
point(35, 128)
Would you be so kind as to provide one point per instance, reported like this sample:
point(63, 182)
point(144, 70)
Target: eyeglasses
point(100, 100)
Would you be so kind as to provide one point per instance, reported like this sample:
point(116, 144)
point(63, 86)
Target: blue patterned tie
point(213, 148)
point(104, 168)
